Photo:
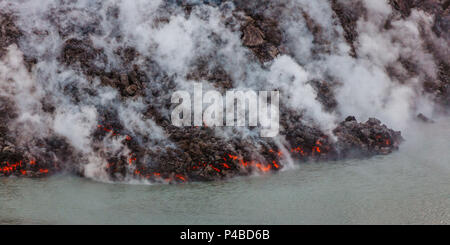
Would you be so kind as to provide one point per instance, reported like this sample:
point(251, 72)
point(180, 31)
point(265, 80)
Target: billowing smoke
point(86, 85)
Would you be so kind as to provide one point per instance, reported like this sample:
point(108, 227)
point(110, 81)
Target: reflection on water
point(408, 187)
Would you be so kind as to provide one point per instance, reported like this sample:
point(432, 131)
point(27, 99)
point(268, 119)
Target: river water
point(411, 186)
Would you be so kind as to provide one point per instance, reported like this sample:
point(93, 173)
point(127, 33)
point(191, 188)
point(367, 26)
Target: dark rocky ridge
point(208, 157)
point(9, 32)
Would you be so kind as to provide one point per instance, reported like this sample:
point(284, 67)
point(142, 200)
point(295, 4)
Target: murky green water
point(411, 186)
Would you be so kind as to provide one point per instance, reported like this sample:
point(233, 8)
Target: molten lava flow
point(145, 173)
point(233, 157)
point(299, 150)
point(228, 162)
point(21, 169)
point(382, 140)
point(216, 169)
point(180, 177)
point(109, 130)
point(131, 160)
point(113, 132)
point(275, 165)
point(261, 167)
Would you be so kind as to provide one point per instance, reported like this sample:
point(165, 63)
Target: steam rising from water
point(174, 42)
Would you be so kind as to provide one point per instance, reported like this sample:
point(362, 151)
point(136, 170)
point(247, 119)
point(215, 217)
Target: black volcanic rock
point(9, 32)
point(262, 35)
point(421, 117)
point(365, 139)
